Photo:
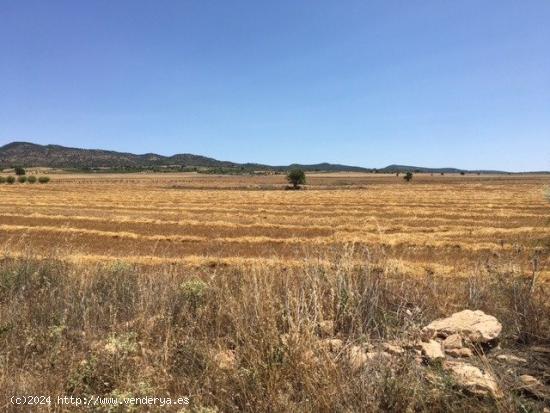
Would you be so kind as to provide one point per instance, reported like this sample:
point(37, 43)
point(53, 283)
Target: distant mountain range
point(28, 154)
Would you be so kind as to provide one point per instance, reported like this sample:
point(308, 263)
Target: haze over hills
point(28, 154)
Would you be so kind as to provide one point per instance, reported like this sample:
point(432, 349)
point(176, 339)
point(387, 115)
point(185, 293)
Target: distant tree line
point(31, 179)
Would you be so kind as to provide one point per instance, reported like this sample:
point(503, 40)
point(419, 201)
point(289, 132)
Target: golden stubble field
point(440, 225)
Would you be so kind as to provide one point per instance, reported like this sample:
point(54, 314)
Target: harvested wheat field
point(443, 225)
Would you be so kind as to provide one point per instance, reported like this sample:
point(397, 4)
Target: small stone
point(432, 350)
point(459, 352)
point(511, 359)
point(434, 379)
point(226, 360)
point(393, 349)
point(357, 358)
point(453, 341)
point(473, 379)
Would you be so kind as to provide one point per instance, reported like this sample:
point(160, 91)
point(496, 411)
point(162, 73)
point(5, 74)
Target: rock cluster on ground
point(461, 344)
point(456, 338)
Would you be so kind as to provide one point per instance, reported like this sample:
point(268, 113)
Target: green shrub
point(2, 179)
point(22, 179)
point(296, 177)
point(31, 179)
point(19, 170)
point(44, 179)
point(408, 176)
point(121, 344)
point(10, 179)
point(194, 292)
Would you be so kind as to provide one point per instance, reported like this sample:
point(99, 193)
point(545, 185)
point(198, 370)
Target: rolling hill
point(28, 154)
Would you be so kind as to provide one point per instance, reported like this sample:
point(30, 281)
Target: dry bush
point(123, 330)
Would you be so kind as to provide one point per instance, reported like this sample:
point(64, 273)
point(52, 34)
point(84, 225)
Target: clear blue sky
point(434, 83)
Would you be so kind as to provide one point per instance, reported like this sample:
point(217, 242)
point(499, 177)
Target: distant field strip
point(436, 223)
point(394, 239)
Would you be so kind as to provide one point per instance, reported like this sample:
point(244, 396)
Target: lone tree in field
point(19, 170)
point(296, 177)
point(408, 176)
